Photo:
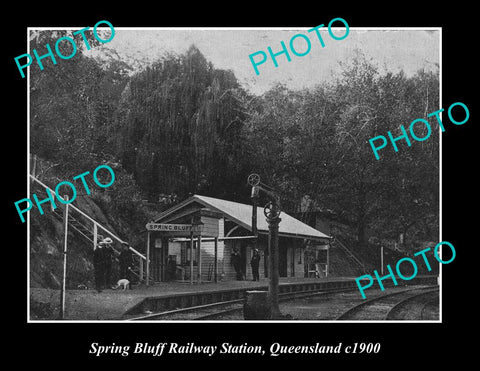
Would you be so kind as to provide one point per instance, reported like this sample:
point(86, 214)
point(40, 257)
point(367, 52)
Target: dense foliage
point(181, 126)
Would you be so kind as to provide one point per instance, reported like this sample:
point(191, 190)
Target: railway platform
point(88, 305)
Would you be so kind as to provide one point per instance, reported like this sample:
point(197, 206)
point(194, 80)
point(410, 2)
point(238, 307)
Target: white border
point(291, 322)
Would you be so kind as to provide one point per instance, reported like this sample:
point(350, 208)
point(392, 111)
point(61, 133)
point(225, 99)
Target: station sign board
point(174, 228)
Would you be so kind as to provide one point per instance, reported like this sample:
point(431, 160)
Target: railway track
point(413, 307)
point(408, 304)
point(430, 310)
point(226, 308)
point(413, 303)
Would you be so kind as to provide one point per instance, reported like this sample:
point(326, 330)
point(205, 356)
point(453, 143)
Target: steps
point(87, 227)
point(78, 226)
point(347, 253)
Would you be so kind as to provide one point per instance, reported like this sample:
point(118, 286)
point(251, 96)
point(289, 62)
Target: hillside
point(125, 219)
point(46, 244)
point(343, 264)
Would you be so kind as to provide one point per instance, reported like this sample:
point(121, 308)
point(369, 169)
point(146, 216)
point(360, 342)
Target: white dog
point(123, 283)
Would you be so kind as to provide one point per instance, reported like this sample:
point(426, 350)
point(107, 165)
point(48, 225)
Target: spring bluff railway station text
point(274, 350)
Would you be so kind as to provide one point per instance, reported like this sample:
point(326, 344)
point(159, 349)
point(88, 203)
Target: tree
point(72, 103)
point(400, 188)
point(181, 127)
point(314, 144)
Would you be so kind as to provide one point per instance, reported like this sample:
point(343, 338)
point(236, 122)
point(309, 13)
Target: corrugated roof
point(242, 215)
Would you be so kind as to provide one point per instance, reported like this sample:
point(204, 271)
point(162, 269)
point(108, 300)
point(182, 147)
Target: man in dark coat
point(99, 267)
point(171, 268)
point(125, 262)
point(108, 257)
point(236, 262)
point(255, 262)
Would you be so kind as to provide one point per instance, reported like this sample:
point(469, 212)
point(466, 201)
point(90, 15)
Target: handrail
point(89, 218)
point(358, 261)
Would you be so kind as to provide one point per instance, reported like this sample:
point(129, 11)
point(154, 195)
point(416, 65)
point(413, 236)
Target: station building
point(194, 241)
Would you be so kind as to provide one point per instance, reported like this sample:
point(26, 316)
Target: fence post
point(191, 258)
point(64, 277)
point(34, 170)
point(95, 235)
point(147, 260)
point(328, 261)
point(140, 269)
point(215, 274)
point(199, 261)
point(381, 259)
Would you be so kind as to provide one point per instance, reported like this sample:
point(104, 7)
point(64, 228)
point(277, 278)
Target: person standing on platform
point(108, 254)
point(255, 262)
point(171, 268)
point(237, 264)
point(125, 263)
point(99, 267)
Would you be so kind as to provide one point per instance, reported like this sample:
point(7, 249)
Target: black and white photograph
point(187, 187)
point(242, 189)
